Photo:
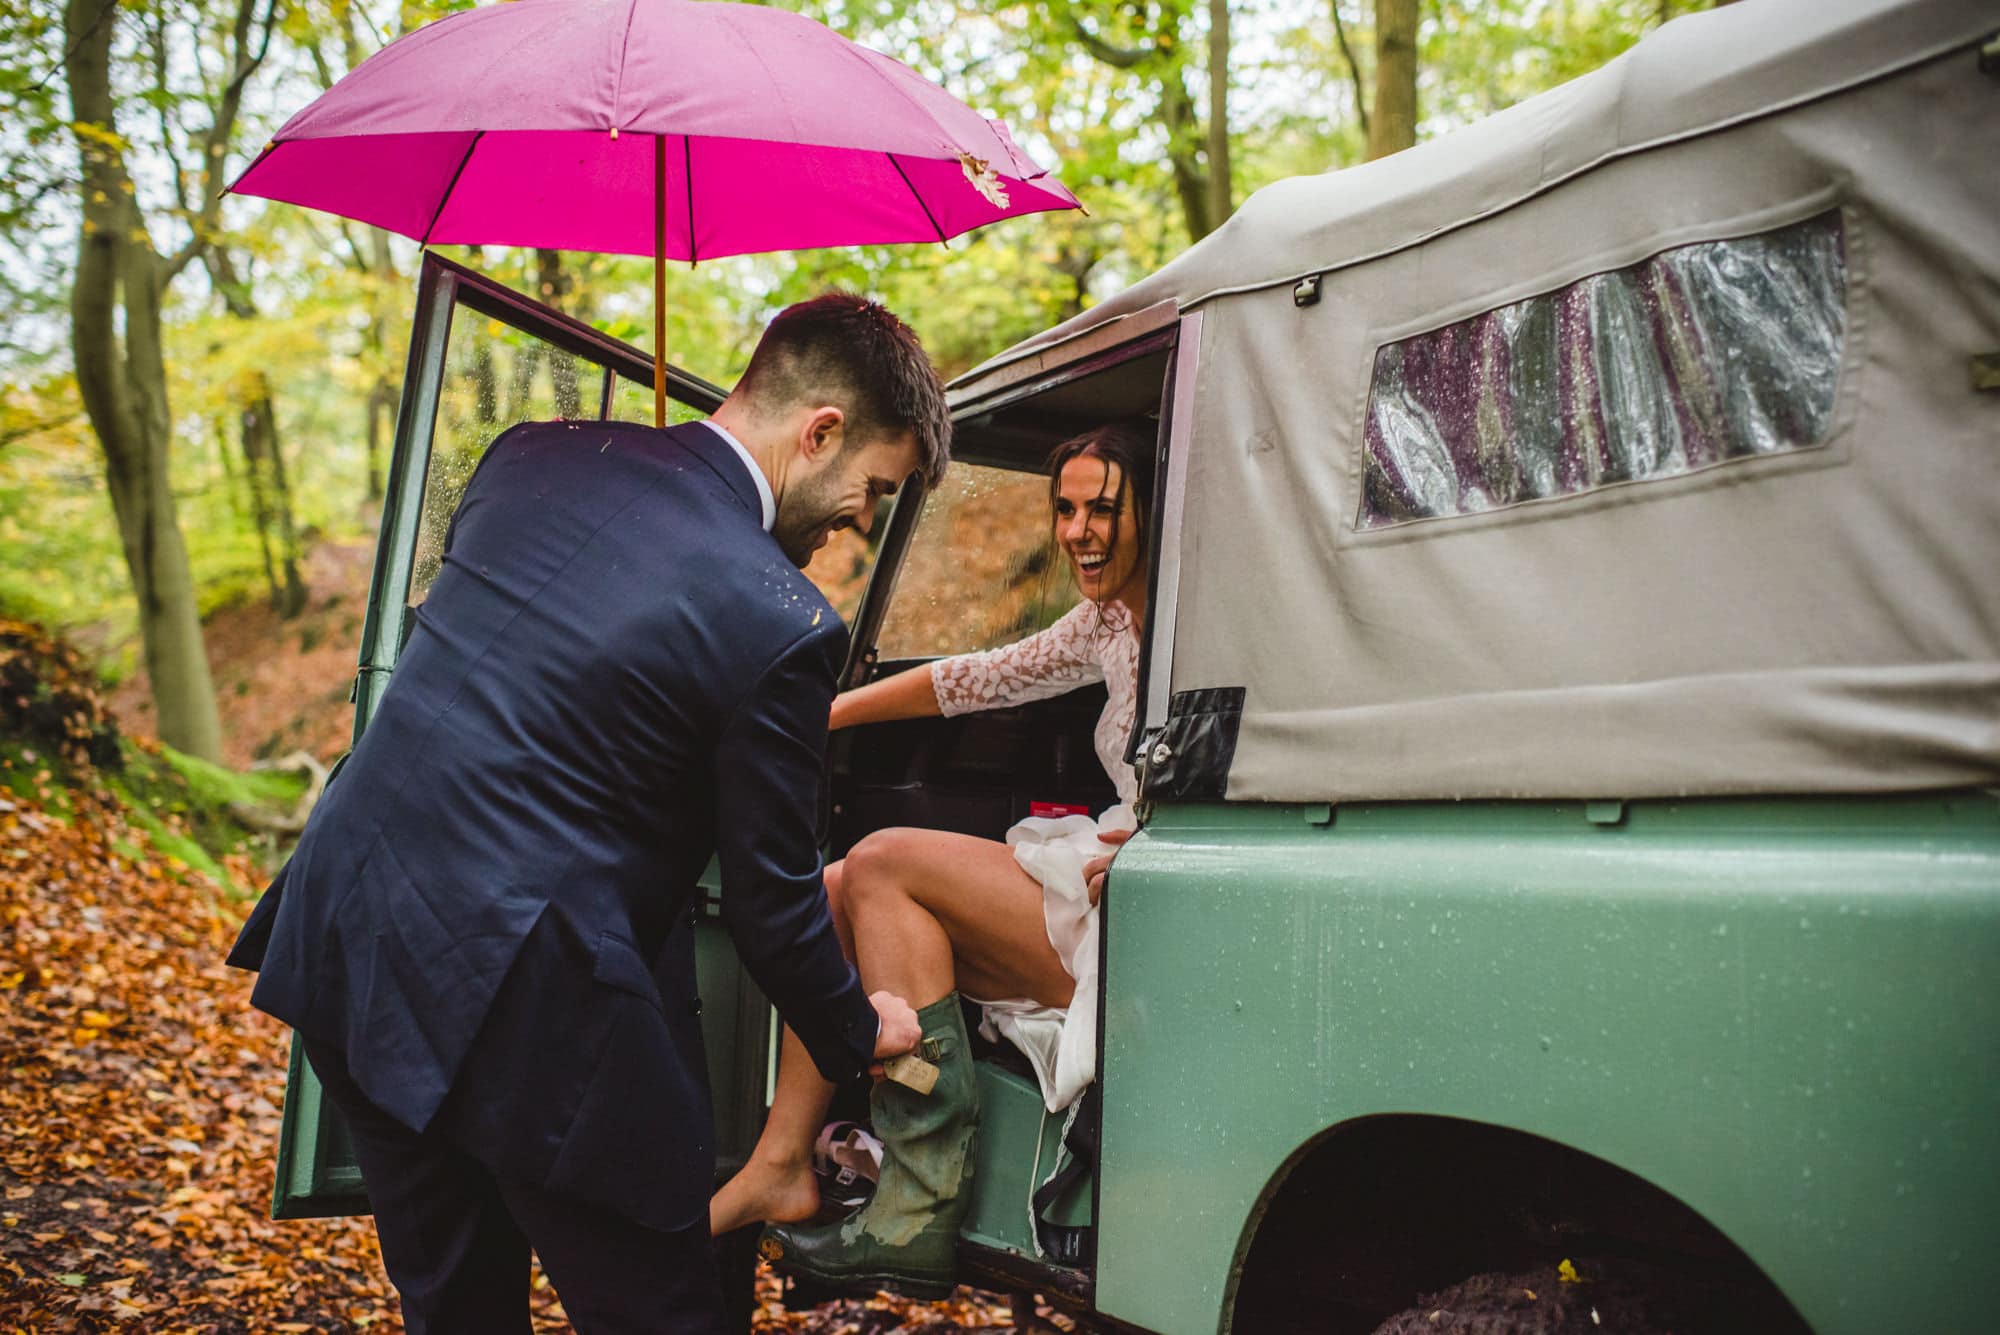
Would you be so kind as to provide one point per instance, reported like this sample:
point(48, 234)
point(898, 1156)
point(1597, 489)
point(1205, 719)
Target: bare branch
point(26, 429)
point(1119, 57)
point(103, 11)
point(222, 129)
point(321, 70)
point(168, 140)
point(171, 265)
point(246, 65)
point(1353, 66)
point(355, 259)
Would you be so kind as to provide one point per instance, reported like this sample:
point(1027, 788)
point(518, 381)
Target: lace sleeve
point(1046, 663)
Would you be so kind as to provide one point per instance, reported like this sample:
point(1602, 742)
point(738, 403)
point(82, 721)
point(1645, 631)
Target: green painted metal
point(1782, 1012)
point(738, 1032)
point(316, 1174)
point(1018, 1148)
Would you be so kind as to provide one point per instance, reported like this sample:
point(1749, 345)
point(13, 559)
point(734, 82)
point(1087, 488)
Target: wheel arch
point(1367, 1215)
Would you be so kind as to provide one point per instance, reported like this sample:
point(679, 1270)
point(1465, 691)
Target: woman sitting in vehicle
point(929, 914)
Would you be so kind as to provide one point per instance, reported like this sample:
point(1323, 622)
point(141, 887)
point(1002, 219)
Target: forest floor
point(140, 1106)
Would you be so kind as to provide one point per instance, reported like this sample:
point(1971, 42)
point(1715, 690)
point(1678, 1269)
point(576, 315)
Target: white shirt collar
point(764, 496)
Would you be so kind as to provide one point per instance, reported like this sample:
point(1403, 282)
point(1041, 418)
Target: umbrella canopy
point(682, 129)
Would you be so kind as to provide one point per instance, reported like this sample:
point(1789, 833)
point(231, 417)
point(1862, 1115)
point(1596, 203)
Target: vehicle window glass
point(982, 569)
point(1701, 355)
point(632, 401)
point(494, 377)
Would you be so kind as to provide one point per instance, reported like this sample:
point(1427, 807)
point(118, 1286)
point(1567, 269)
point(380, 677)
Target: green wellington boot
point(906, 1238)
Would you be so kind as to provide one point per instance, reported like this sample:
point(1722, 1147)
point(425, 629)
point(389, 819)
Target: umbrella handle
point(659, 280)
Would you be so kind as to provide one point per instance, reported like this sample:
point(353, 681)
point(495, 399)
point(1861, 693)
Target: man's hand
point(899, 1031)
point(1093, 870)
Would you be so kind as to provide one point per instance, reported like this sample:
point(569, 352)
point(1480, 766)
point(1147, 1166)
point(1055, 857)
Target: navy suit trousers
point(456, 1237)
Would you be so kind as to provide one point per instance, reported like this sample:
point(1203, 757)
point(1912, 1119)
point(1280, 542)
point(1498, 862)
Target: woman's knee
point(878, 865)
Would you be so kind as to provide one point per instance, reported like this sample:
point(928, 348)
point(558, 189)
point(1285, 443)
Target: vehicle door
point(482, 358)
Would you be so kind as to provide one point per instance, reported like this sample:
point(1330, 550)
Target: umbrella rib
point(450, 186)
point(919, 198)
point(687, 187)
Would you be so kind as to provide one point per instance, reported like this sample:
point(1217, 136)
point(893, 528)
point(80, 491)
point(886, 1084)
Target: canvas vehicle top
point(1651, 399)
point(1570, 706)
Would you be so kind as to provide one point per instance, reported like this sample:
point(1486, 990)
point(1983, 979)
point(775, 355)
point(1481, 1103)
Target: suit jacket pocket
point(618, 964)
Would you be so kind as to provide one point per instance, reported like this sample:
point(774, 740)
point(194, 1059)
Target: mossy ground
point(186, 806)
point(62, 748)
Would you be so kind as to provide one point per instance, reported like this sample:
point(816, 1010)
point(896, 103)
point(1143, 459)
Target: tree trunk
point(263, 464)
point(379, 270)
point(260, 509)
point(551, 280)
point(555, 284)
point(485, 384)
point(1075, 261)
point(1348, 59)
point(383, 393)
point(1393, 127)
point(123, 384)
point(271, 499)
point(520, 405)
point(1221, 202)
point(381, 421)
point(1177, 114)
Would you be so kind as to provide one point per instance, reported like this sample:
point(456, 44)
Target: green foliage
point(59, 559)
point(189, 807)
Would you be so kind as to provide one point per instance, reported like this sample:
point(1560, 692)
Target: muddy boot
point(906, 1238)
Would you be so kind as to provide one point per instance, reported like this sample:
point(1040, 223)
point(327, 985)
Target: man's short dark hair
point(854, 354)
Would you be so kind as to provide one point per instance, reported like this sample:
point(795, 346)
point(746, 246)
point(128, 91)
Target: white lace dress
point(1088, 644)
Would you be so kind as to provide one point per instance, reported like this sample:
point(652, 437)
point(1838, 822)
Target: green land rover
point(1570, 713)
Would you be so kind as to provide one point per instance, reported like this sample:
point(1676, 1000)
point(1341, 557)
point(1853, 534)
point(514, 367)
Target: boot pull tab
point(913, 1072)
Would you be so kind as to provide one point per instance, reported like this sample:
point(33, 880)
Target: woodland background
point(197, 395)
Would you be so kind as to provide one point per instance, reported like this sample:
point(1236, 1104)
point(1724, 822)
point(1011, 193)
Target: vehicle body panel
point(1783, 1013)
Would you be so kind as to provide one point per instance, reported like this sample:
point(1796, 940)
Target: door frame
point(316, 1175)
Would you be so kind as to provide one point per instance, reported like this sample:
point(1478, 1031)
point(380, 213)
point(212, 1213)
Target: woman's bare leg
point(931, 911)
point(921, 912)
point(776, 1183)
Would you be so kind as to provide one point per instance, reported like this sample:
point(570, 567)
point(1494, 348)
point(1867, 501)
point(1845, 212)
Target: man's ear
point(822, 434)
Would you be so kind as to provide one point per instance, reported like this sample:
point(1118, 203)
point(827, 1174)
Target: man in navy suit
point(485, 936)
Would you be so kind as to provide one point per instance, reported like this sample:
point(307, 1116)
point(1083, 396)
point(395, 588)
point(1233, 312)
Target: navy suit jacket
point(490, 912)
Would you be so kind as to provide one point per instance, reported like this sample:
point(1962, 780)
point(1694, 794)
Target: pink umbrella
point(683, 129)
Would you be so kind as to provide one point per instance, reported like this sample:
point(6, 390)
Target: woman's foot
point(764, 1192)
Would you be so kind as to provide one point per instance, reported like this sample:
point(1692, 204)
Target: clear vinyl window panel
point(982, 568)
point(495, 376)
point(1701, 355)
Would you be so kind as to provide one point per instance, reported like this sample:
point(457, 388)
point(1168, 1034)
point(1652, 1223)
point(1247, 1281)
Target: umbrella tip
point(614, 132)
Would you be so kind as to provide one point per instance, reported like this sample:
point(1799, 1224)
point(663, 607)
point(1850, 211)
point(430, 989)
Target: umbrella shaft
point(659, 280)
